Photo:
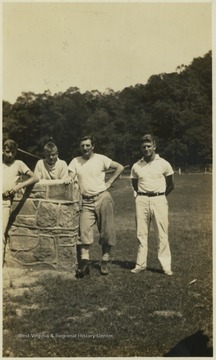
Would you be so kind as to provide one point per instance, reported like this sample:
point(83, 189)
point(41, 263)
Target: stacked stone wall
point(44, 225)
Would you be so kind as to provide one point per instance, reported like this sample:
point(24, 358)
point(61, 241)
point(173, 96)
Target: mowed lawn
point(123, 314)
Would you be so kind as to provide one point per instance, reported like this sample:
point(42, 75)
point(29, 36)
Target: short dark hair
point(11, 144)
point(50, 146)
point(88, 137)
point(148, 138)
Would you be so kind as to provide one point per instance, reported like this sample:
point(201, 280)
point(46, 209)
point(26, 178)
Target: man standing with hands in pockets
point(152, 180)
point(97, 203)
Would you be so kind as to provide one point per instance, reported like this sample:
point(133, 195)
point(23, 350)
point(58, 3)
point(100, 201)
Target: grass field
point(122, 314)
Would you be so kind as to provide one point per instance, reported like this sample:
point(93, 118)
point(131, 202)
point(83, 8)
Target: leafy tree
point(176, 107)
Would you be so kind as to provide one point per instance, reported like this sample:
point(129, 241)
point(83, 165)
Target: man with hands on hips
point(97, 203)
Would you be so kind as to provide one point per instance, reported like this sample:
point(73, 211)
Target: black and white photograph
point(107, 138)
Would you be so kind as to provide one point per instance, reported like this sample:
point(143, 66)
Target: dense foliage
point(176, 107)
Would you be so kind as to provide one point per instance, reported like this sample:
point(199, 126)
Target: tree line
point(176, 107)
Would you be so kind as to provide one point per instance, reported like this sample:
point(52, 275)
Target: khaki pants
point(153, 209)
point(100, 211)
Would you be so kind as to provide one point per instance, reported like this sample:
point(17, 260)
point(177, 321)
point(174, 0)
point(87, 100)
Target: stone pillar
point(44, 225)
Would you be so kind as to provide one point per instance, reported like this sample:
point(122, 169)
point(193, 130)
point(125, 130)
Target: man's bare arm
point(169, 184)
point(118, 170)
point(30, 181)
point(70, 178)
point(135, 184)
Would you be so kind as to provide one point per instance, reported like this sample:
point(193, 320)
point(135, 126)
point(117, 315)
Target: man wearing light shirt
point(51, 167)
point(152, 181)
point(13, 170)
point(97, 203)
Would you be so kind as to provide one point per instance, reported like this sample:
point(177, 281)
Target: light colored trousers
point(100, 211)
point(6, 209)
point(155, 210)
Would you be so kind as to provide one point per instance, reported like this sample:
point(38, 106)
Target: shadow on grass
point(195, 345)
point(131, 264)
point(124, 264)
point(158, 271)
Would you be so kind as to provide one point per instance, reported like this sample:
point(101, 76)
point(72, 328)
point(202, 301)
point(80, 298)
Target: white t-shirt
point(56, 171)
point(12, 172)
point(90, 173)
point(151, 176)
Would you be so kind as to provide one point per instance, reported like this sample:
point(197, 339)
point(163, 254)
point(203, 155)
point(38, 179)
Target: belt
point(85, 197)
point(150, 194)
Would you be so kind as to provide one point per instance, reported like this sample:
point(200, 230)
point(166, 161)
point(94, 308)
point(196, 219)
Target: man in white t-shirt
point(152, 181)
point(51, 167)
point(97, 203)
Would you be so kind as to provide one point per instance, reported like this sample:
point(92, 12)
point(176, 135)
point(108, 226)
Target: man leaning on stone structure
point(12, 170)
point(51, 167)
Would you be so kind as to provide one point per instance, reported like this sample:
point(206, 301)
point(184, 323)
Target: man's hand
point(6, 193)
point(108, 184)
point(118, 168)
point(15, 189)
point(12, 191)
point(68, 180)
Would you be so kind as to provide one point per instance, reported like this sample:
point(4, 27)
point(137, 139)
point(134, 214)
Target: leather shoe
point(84, 269)
point(168, 272)
point(104, 268)
point(138, 269)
